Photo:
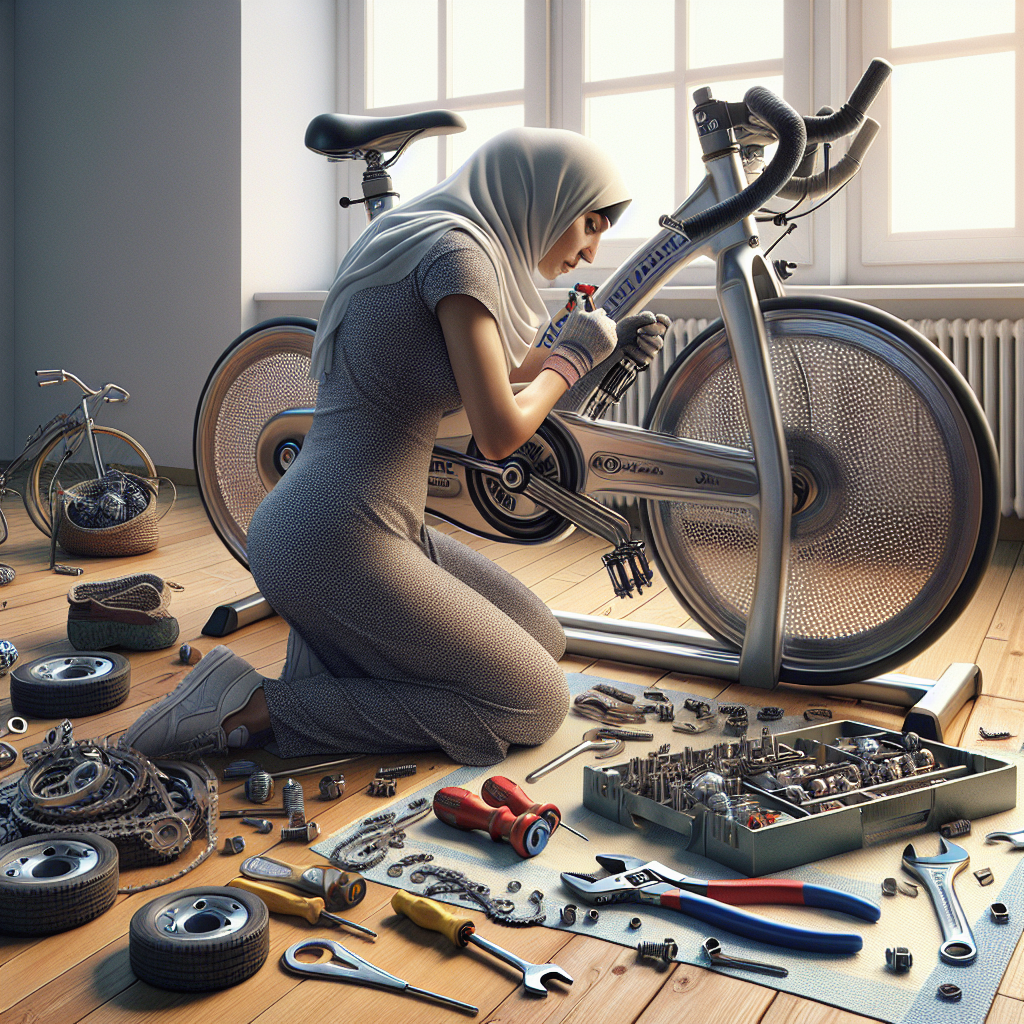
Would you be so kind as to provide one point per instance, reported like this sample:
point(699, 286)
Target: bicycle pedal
point(633, 556)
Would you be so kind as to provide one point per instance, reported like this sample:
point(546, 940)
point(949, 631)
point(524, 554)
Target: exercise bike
point(815, 481)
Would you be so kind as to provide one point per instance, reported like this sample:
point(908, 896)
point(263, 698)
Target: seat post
point(377, 187)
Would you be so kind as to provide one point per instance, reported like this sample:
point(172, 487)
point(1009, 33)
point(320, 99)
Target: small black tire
point(70, 685)
point(198, 940)
point(50, 883)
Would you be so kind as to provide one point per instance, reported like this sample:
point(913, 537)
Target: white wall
point(6, 228)
point(289, 194)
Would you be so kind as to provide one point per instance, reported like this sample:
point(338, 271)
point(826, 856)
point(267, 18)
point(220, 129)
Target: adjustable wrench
point(936, 874)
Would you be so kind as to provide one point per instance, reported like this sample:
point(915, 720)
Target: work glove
point(642, 335)
point(585, 340)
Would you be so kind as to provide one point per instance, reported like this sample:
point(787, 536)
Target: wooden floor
point(84, 975)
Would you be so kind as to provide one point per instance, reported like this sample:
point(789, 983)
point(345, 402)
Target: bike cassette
point(631, 555)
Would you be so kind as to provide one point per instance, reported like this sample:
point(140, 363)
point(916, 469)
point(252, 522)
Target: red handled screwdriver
point(527, 834)
point(498, 791)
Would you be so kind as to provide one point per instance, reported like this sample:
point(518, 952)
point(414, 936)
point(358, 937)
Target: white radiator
point(989, 354)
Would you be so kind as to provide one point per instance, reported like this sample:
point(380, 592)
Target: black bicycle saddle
point(347, 136)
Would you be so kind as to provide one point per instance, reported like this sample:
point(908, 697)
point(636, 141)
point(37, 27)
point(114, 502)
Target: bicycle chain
point(498, 909)
point(151, 812)
point(376, 835)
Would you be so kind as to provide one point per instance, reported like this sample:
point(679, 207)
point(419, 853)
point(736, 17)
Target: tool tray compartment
point(960, 784)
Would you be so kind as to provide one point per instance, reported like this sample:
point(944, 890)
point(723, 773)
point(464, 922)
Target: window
point(949, 158)
point(942, 184)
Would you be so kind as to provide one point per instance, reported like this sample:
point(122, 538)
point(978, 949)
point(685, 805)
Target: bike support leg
point(932, 704)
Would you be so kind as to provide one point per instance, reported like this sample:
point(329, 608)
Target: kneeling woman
point(402, 638)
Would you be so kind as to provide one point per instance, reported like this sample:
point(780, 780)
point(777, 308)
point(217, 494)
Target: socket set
point(791, 798)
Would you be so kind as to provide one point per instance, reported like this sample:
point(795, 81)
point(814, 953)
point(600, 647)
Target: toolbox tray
point(989, 786)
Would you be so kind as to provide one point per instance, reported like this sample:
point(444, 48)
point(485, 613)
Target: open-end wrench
point(1016, 838)
point(461, 930)
point(936, 874)
point(608, 740)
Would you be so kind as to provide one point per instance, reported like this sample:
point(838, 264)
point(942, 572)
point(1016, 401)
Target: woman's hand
point(642, 336)
point(585, 340)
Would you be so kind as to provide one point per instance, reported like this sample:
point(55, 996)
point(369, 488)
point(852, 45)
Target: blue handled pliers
point(637, 881)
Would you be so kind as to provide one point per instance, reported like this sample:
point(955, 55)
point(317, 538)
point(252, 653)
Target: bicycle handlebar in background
point(103, 392)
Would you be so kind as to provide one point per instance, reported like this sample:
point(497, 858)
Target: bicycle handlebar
point(104, 392)
point(794, 133)
point(815, 185)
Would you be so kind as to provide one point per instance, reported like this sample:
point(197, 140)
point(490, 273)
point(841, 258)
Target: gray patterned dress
point(426, 642)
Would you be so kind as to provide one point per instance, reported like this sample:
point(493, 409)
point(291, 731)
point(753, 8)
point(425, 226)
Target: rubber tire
point(36, 496)
point(195, 965)
point(71, 698)
point(50, 906)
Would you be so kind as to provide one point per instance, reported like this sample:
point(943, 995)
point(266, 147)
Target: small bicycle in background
point(74, 446)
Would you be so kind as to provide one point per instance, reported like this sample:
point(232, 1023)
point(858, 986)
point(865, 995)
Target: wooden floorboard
point(84, 974)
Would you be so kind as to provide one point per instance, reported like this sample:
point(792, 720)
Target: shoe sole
point(98, 636)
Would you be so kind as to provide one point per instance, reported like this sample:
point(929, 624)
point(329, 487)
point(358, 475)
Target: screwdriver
point(498, 791)
point(280, 902)
point(527, 834)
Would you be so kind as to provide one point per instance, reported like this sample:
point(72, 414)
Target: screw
point(666, 951)
point(899, 959)
point(294, 803)
point(234, 844)
point(301, 833)
point(260, 824)
point(569, 913)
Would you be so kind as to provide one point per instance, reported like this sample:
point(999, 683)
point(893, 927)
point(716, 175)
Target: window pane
point(931, 21)
point(732, 92)
point(403, 52)
point(478, 27)
point(629, 39)
point(623, 126)
point(416, 170)
point(481, 126)
point(946, 175)
point(733, 31)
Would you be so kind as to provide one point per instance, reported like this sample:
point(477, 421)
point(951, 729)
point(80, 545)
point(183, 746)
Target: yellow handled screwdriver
point(461, 930)
point(279, 901)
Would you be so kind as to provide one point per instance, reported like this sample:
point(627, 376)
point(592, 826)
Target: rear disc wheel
point(895, 489)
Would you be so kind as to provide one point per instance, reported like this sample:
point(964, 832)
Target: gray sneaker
point(189, 719)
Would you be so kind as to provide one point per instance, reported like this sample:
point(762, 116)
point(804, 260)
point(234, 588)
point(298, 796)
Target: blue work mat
point(860, 982)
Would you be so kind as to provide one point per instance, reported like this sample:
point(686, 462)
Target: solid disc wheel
point(118, 450)
point(56, 882)
point(70, 685)
point(263, 374)
point(197, 940)
point(894, 480)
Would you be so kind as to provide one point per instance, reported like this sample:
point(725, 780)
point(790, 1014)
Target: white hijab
point(515, 196)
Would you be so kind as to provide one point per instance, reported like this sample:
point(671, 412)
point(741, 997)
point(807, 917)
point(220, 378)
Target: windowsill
point(919, 301)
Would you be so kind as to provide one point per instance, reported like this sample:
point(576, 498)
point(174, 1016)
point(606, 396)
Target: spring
point(294, 803)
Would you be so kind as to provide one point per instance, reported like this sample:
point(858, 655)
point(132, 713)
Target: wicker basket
point(135, 536)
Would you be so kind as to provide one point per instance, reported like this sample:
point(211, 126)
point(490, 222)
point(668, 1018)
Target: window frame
point(921, 254)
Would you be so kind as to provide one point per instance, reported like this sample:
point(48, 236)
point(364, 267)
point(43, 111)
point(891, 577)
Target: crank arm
point(580, 509)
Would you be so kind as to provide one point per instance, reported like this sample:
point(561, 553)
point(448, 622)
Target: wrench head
point(537, 976)
point(949, 854)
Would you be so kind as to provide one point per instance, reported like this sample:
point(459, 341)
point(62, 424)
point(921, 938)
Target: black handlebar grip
point(789, 127)
point(851, 113)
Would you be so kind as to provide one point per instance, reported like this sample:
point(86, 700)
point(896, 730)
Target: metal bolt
point(666, 951)
point(569, 913)
point(332, 787)
point(261, 825)
point(301, 833)
point(899, 959)
point(294, 803)
point(234, 844)
point(259, 787)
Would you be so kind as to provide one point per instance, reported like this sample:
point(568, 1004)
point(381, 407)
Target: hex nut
point(1000, 913)
point(592, 915)
point(635, 922)
point(234, 844)
point(899, 959)
point(951, 993)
